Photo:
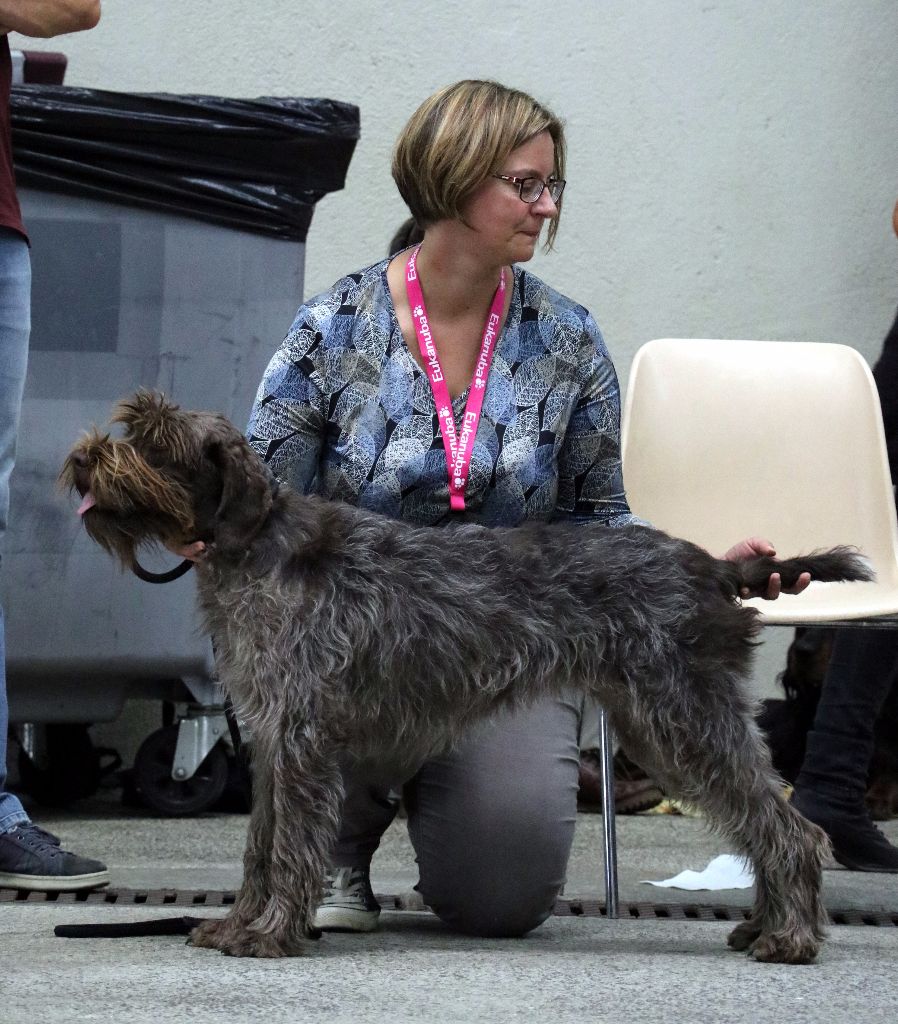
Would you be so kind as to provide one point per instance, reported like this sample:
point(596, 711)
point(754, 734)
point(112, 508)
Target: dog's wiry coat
point(337, 628)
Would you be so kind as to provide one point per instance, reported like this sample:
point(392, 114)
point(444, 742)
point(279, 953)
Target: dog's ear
point(246, 492)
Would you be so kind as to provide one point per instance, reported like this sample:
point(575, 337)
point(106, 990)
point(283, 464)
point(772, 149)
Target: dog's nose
point(80, 464)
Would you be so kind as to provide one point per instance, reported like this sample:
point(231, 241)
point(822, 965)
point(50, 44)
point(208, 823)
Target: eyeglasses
point(530, 189)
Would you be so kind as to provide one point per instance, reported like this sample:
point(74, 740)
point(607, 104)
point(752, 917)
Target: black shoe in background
point(857, 843)
point(32, 859)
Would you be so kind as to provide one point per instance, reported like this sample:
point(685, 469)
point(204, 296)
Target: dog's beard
point(122, 535)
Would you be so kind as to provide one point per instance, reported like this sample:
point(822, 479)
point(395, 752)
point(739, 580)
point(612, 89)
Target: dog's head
point(173, 477)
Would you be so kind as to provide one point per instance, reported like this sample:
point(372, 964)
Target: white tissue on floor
point(724, 872)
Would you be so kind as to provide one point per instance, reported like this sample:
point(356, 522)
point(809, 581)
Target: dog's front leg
point(222, 933)
point(295, 815)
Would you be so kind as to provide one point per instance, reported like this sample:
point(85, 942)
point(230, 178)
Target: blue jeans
point(15, 326)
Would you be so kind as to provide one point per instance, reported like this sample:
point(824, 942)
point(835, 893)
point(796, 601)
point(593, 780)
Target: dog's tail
point(836, 565)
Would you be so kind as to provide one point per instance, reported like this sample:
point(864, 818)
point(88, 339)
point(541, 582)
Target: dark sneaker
point(349, 904)
point(31, 858)
point(857, 843)
point(46, 835)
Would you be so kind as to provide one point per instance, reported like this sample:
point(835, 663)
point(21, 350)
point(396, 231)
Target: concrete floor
point(413, 969)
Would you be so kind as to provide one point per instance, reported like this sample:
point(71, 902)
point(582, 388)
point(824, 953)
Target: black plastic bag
point(254, 165)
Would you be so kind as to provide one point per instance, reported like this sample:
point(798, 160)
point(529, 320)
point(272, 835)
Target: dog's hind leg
point(293, 829)
point(787, 853)
point(700, 741)
point(788, 919)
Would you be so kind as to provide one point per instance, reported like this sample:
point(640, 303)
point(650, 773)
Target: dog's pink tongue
point(88, 501)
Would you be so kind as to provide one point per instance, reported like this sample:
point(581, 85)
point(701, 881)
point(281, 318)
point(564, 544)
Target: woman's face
point(506, 227)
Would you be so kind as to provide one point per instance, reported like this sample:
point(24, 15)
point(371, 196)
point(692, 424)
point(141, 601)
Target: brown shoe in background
point(634, 791)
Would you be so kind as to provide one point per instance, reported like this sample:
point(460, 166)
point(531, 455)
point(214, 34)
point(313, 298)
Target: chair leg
point(608, 822)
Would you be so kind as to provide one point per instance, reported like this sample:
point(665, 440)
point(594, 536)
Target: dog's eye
point(153, 453)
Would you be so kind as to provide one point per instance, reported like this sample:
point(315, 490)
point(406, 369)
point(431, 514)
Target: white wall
point(732, 166)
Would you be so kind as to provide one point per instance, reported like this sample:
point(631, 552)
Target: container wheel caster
point(173, 797)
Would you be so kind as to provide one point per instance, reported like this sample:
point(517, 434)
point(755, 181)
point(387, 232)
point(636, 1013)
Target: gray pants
point(491, 822)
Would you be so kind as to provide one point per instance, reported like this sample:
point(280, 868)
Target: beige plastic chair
point(784, 440)
point(724, 440)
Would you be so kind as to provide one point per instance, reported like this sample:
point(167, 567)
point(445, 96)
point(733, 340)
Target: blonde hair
point(460, 136)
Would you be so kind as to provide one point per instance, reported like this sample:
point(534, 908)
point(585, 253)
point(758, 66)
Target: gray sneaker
point(349, 904)
point(32, 859)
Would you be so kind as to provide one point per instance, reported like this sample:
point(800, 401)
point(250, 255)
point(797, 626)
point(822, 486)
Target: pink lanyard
point(458, 448)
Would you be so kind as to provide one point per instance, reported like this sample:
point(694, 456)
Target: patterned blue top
point(344, 411)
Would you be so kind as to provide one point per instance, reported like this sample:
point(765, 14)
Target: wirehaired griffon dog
point(331, 636)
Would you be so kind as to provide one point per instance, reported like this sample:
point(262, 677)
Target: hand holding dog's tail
point(835, 565)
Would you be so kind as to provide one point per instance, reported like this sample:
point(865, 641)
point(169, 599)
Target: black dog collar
point(161, 577)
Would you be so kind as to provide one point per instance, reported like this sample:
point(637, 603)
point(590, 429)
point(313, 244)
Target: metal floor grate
point(712, 912)
point(563, 907)
point(127, 897)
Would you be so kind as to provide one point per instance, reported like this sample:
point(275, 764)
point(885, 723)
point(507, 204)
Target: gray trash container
point(138, 284)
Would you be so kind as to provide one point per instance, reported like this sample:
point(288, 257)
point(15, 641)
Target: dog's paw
point(785, 949)
point(255, 944)
point(743, 935)
point(234, 939)
point(209, 933)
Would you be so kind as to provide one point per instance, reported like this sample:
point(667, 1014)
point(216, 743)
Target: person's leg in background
point(370, 804)
point(831, 786)
point(30, 857)
point(15, 325)
point(492, 821)
point(11, 811)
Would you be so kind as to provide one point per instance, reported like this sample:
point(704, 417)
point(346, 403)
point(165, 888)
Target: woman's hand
point(193, 552)
point(757, 547)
